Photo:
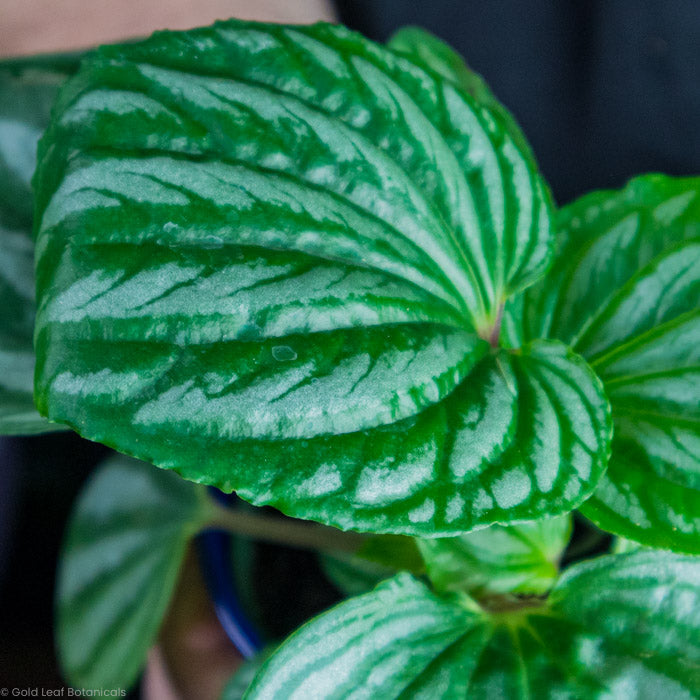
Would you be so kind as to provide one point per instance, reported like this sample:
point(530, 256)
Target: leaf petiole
point(294, 533)
point(496, 329)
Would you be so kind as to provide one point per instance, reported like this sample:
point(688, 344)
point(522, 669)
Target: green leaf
point(28, 87)
point(526, 436)
point(353, 575)
point(620, 546)
point(616, 627)
point(624, 292)
point(268, 258)
point(443, 195)
point(238, 684)
point(522, 559)
point(425, 49)
point(608, 236)
point(121, 557)
point(375, 643)
point(643, 605)
point(379, 558)
point(652, 373)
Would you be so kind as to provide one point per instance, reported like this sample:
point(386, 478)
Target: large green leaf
point(525, 436)
point(271, 258)
point(121, 558)
point(625, 292)
point(27, 91)
point(625, 626)
point(519, 559)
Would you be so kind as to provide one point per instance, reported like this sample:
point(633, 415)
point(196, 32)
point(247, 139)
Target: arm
point(45, 26)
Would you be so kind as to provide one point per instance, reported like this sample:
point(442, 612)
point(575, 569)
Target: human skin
point(45, 26)
point(194, 658)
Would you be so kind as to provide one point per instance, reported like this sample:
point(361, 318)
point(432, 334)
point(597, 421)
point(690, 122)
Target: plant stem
point(293, 533)
point(496, 330)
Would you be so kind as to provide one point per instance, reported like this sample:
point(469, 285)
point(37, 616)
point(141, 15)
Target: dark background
point(603, 89)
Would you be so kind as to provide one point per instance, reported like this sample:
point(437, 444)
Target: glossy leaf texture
point(28, 88)
point(616, 627)
point(526, 436)
point(266, 256)
point(121, 557)
point(625, 292)
point(427, 50)
point(518, 559)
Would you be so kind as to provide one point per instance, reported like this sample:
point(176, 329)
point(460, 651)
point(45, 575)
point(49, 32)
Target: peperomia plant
point(326, 274)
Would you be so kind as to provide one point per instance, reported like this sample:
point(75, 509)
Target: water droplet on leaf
point(283, 353)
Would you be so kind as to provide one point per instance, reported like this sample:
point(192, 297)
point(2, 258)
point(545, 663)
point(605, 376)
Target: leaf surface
point(619, 626)
point(121, 557)
point(526, 435)
point(520, 559)
point(607, 236)
point(268, 258)
point(625, 292)
point(27, 90)
point(425, 49)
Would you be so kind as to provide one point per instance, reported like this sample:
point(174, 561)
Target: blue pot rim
point(214, 550)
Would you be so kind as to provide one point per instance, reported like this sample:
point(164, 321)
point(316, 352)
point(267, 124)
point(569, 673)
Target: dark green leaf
point(621, 626)
point(268, 258)
point(28, 88)
point(425, 49)
point(624, 292)
point(433, 178)
point(379, 558)
point(400, 553)
point(123, 550)
point(521, 559)
point(353, 575)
